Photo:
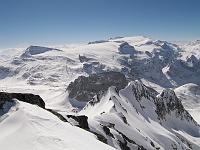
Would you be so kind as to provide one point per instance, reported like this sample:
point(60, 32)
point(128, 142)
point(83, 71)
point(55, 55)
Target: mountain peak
point(34, 50)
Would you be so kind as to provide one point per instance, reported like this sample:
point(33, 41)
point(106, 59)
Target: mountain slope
point(24, 126)
point(76, 83)
point(190, 95)
point(156, 62)
point(136, 118)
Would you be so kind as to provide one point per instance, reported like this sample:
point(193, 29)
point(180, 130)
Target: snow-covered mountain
point(25, 126)
point(128, 92)
point(190, 96)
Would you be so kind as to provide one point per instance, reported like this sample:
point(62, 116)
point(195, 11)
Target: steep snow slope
point(136, 118)
point(24, 126)
point(54, 97)
point(128, 119)
point(190, 95)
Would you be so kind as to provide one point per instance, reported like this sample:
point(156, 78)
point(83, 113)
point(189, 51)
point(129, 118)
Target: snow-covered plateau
point(125, 93)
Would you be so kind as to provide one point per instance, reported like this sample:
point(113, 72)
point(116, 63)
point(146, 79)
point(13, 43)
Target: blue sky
point(52, 22)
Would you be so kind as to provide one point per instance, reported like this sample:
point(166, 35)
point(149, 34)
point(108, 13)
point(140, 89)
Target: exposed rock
point(5, 72)
point(107, 131)
point(100, 137)
point(140, 90)
point(58, 115)
point(25, 97)
point(125, 48)
point(92, 67)
point(83, 123)
point(96, 42)
point(34, 50)
point(167, 101)
point(124, 146)
point(81, 120)
point(85, 88)
point(84, 59)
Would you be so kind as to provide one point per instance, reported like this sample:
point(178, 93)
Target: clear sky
point(54, 22)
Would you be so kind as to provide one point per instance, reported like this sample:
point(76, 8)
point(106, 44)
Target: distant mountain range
point(123, 93)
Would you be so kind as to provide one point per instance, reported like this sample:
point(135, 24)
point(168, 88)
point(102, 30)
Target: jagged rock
point(167, 101)
point(5, 72)
point(100, 137)
point(140, 90)
point(92, 67)
point(81, 120)
point(125, 48)
point(58, 115)
point(25, 97)
point(84, 59)
point(124, 146)
point(34, 50)
point(85, 88)
point(107, 131)
point(192, 59)
point(96, 42)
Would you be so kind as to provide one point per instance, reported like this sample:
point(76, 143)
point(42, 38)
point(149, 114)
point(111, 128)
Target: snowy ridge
point(126, 117)
point(157, 62)
point(35, 128)
point(133, 115)
point(190, 95)
point(34, 50)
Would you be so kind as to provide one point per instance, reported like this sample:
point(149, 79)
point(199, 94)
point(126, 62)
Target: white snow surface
point(138, 121)
point(48, 71)
point(29, 127)
point(190, 96)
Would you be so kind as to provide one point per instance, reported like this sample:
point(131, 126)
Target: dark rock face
point(84, 59)
point(34, 50)
point(85, 88)
point(181, 71)
point(167, 101)
point(100, 137)
point(96, 42)
point(125, 48)
point(83, 123)
point(149, 67)
point(124, 144)
point(5, 72)
point(140, 90)
point(81, 120)
point(58, 115)
point(107, 131)
point(25, 97)
point(94, 66)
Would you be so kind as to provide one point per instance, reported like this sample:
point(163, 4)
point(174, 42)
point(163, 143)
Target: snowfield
point(26, 126)
point(157, 109)
point(190, 96)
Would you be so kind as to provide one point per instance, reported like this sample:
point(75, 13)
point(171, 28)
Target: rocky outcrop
point(118, 113)
point(168, 102)
point(84, 59)
point(80, 120)
point(125, 48)
point(7, 98)
point(34, 50)
point(25, 97)
point(97, 42)
point(140, 90)
point(85, 88)
point(58, 115)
